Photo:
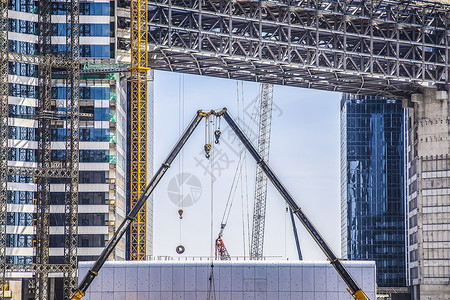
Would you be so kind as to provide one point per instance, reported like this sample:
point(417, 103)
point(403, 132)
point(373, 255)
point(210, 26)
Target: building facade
point(102, 136)
point(428, 189)
point(372, 186)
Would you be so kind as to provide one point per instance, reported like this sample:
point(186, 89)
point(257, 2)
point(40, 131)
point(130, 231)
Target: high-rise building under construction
point(103, 132)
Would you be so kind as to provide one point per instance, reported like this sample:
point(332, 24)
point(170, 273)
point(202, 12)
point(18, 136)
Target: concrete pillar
point(428, 196)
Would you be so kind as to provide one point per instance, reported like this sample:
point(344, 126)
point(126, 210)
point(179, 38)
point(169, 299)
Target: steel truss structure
point(47, 61)
point(138, 163)
point(259, 210)
point(377, 47)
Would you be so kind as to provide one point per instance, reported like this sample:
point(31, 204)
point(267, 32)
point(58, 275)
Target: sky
point(304, 154)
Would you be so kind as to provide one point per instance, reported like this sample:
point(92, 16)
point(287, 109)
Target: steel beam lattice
point(4, 84)
point(138, 163)
point(378, 47)
point(259, 211)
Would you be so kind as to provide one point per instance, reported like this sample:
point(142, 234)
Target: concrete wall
point(232, 280)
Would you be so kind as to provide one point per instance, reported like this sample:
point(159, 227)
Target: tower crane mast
point(138, 163)
point(259, 211)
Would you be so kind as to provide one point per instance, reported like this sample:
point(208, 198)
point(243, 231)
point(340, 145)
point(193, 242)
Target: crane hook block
point(217, 134)
point(180, 249)
point(180, 212)
point(207, 150)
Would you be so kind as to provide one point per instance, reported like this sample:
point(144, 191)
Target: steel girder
point(378, 47)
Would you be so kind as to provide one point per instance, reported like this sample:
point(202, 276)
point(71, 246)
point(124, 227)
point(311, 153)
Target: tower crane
point(138, 163)
point(259, 211)
point(353, 287)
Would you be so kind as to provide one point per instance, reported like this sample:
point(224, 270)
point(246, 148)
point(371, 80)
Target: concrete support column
point(428, 196)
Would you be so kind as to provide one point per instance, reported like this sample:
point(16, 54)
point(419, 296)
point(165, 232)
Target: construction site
point(78, 143)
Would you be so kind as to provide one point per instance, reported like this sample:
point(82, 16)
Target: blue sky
point(304, 153)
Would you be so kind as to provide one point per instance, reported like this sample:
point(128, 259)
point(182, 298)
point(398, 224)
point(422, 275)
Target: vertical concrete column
point(428, 194)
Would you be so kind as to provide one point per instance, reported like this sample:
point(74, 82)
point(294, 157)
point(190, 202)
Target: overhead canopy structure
point(381, 47)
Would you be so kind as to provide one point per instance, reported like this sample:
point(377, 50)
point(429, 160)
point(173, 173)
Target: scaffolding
point(47, 118)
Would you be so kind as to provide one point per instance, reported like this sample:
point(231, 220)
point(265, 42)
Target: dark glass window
point(85, 155)
point(19, 240)
point(22, 133)
point(21, 154)
point(22, 111)
point(23, 6)
point(20, 219)
point(21, 69)
point(91, 219)
point(92, 176)
point(97, 9)
point(22, 26)
point(23, 47)
point(92, 198)
point(59, 29)
point(23, 90)
point(20, 197)
point(84, 240)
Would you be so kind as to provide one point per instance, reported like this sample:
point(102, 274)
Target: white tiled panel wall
point(232, 280)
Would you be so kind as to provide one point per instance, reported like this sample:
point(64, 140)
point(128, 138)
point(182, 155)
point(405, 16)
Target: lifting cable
point(239, 167)
point(180, 248)
point(211, 285)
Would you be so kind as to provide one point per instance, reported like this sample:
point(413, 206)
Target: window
point(21, 154)
point(20, 219)
point(22, 47)
point(23, 6)
point(23, 90)
point(22, 111)
point(92, 176)
point(19, 240)
point(20, 197)
point(92, 198)
point(98, 9)
point(22, 133)
point(85, 155)
point(21, 69)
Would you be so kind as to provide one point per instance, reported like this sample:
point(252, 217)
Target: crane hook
point(217, 134)
point(180, 212)
point(207, 150)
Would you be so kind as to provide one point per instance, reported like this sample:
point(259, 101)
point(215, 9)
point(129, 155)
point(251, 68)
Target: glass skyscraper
point(372, 185)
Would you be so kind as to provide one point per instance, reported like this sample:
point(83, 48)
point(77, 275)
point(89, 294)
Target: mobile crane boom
point(353, 287)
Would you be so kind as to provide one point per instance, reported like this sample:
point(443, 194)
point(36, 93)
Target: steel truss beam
point(378, 47)
point(4, 84)
point(138, 172)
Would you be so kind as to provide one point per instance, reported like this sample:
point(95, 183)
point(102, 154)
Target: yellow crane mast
point(138, 171)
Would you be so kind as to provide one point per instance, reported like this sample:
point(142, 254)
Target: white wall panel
point(233, 280)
